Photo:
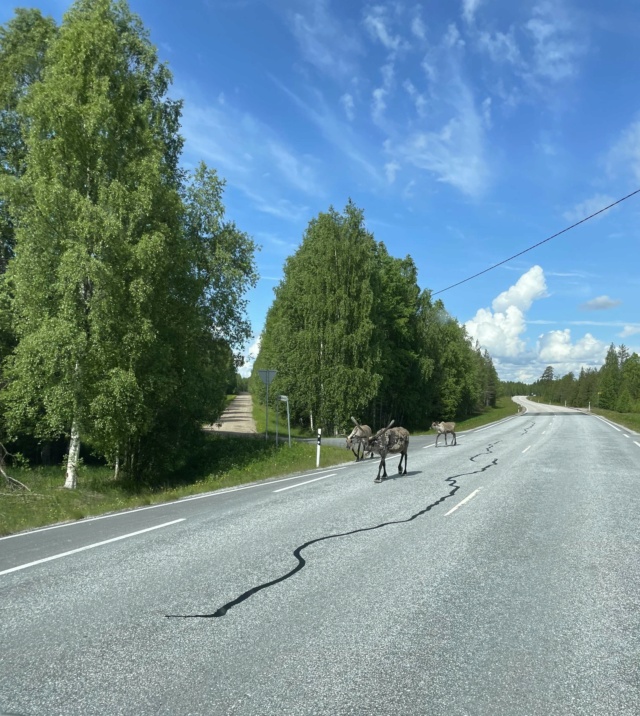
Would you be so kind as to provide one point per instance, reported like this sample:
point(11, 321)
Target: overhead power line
point(475, 275)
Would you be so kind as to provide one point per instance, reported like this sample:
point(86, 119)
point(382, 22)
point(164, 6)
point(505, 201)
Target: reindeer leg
point(381, 466)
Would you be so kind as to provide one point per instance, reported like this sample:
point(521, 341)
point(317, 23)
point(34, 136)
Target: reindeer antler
point(383, 430)
point(355, 422)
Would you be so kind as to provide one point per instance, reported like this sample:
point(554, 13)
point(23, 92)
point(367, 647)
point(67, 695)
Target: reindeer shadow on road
point(297, 552)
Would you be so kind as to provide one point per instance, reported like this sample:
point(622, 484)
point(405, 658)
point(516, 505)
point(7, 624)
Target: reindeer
point(358, 436)
point(444, 428)
point(389, 440)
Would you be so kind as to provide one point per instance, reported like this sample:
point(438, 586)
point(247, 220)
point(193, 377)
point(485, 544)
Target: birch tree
point(319, 331)
point(97, 235)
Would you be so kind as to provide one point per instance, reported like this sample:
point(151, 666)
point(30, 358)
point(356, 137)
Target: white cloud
point(418, 28)
point(244, 151)
point(629, 331)
point(501, 331)
point(529, 287)
point(250, 357)
point(588, 207)
point(469, 8)
point(349, 106)
point(377, 23)
point(556, 48)
point(601, 303)
point(455, 153)
point(378, 104)
point(624, 156)
point(500, 46)
point(336, 131)
point(555, 348)
point(323, 41)
point(391, 169)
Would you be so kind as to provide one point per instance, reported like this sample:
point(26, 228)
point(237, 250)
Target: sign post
point(318, 450)
point(267, 377)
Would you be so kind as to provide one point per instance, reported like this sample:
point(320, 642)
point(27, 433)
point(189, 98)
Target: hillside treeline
point(351, 333)
point(122, 282)
point(614, 386)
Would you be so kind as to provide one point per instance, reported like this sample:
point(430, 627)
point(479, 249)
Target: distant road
point(499, 577)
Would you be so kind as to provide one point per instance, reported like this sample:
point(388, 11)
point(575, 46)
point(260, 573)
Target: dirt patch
point(237, 418)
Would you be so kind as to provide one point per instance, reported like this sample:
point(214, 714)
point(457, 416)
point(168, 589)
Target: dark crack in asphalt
point(297, 552)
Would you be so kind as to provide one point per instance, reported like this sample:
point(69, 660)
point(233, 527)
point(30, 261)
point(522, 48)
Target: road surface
point(499, 577)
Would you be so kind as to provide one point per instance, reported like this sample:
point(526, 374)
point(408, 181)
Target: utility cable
point(475, 275)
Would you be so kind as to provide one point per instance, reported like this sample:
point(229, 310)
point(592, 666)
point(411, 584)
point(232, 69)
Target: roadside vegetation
point(220, 462)
point(613, 390)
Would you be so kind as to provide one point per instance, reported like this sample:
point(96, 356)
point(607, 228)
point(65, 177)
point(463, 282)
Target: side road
point(237, 418)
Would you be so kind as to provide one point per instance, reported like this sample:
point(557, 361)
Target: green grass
point(223, 461)
point(504, 408)
point(629, 420)
point(260, 416)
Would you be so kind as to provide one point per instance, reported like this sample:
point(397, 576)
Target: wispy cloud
point(588, 207)
point(335, 131)
point(245, 151)
point(349, 106)
point(624, 155)
point(601, 303)
point(630, 330)
point(556, 43)
point(377, 22)
point(469, 8)
point(323, 40)
point(449, 144)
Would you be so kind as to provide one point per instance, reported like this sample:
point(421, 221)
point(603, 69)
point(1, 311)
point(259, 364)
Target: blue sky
point(466, 130)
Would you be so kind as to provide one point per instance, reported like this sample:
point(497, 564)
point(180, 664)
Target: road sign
point(267, 376)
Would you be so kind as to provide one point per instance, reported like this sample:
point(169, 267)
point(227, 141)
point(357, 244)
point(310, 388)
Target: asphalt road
point(499, 577)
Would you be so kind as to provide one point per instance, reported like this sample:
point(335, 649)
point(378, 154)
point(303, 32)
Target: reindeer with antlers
point(359, 437)
point(389, 440)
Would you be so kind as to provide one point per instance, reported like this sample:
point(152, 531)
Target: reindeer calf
point(444, 428)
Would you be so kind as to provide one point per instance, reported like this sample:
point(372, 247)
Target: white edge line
point(606, 422)
point(212, 493)
point(89, 546)
point(324, 477)
point(466, 499)
point(525, 450)
point(635, 442)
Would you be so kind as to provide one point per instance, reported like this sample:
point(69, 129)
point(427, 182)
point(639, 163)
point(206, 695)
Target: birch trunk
point(72, 461)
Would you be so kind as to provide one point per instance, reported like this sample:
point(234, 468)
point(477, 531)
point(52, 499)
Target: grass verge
point(223, 461)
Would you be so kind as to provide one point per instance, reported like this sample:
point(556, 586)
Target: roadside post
point(267, 377)
point(318, 449)
point(285, 399)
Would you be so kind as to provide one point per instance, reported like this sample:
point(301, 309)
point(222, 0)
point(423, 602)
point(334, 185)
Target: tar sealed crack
point(297, 552)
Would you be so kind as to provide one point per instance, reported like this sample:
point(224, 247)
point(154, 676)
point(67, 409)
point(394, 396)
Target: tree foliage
point(351, 333)
point(126, 288)
point(614, 386)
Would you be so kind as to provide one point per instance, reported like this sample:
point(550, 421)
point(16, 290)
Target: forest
point(350, 333)
point(122, 282)
point(615, 386)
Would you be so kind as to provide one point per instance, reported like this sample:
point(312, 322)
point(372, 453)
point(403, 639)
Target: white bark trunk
point(116, 471)
point(311, 420)
point(72, 461)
